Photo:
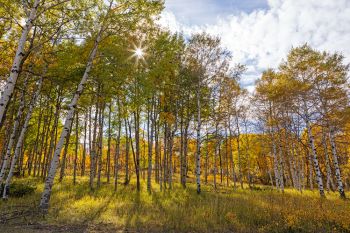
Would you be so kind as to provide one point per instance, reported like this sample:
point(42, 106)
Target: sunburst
point(138, 52)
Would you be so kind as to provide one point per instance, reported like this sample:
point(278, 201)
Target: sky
point(259, 33)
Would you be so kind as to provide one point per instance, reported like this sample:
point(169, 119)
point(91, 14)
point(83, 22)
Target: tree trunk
point(48, 156)
point(240, 175)
point(185, 150)
point(76, 148)
point(329, 181)
point(150, 127)
point(206, 167)
point(100, 145)
point(315, 159)
point(45, 198)
point(198, 140)
point(93, 149)
point(336, 164)
point(127, 149)
point(64, 158)
point(21, 137)
point(17, 62)
point(108, 166)
point(233, 173)
point(13, 134)
point(117, 150)
point(83, 159)
point(137, 148)
point(35, 151)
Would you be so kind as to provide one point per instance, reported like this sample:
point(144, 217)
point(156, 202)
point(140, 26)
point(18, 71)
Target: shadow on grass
point(183, 210)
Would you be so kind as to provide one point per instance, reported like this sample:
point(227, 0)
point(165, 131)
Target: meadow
point(261, 209)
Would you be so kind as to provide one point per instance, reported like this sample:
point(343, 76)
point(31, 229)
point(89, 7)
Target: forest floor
point(77, 209)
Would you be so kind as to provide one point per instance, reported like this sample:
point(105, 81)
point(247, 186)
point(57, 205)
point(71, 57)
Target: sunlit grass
point(180, 210)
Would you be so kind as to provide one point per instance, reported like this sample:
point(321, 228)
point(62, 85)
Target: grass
point(77, 209)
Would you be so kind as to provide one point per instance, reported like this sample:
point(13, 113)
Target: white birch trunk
point(274, 152)
point(275, 162)
point(198, 150)
point(240, 175)
point(281, 166)
point(150, 147)
point(17, 62)
point(314, 157)
point(336, 164)
point(12, 137)
point(45, 198)
point(21, 137)
point(328, 167)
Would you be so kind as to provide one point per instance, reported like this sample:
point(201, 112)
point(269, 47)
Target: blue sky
point(259, 33)
point(200, 12)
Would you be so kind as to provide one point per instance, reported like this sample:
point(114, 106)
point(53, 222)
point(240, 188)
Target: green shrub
point(18, 189)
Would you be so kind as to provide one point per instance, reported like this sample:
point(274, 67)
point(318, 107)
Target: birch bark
point(45, 198)
point(21, 137)
point(12, 137)
point(18, 61)
point(336, 164)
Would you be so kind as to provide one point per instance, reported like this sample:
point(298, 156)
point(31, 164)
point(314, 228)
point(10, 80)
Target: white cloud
point(262, 38)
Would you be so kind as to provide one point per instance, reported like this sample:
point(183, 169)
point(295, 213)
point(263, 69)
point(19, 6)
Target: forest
point(111, 123)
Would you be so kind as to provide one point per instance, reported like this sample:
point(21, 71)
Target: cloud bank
point(261, 38)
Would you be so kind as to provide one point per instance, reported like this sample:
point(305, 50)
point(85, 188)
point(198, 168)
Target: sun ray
point(138, 52)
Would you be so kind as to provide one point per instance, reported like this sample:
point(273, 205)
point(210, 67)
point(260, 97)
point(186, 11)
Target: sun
point(138, 52)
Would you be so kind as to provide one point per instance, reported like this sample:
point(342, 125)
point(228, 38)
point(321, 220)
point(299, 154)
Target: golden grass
point(180, 210)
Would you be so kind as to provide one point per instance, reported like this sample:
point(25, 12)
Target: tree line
point(101, 91)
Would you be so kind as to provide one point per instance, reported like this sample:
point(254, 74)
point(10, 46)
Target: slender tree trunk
point(156, 148)
point(39, 152)
point(100, 145)
point(198, 139)
point(206, 167)
point(83, 159)
point(233, 173)
point(170, 148)
point(117, 149)
point(4, 147)
point(93, 149)
point(17, 62)
point(90, 134)
point(336, 164)
point(315, 159)
point(247, 148)
point(13, 135)
point(274, 152)
point(108, 166)
point(311, 175)
point(184, 165)
point(45, 198)
point(329, 181)
point(21, 137)
point(127, 148)
point(76, 148)
point(281, 164)
point(44, 152)
point(240, 175)
point(227, 158)
point(165, 149)
point(275, 161)
point(35, 151)
point(220, 161)
point(215, 160)
point(64, 158)
point(150, 127)
point(48, 156)
point(137, 148)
